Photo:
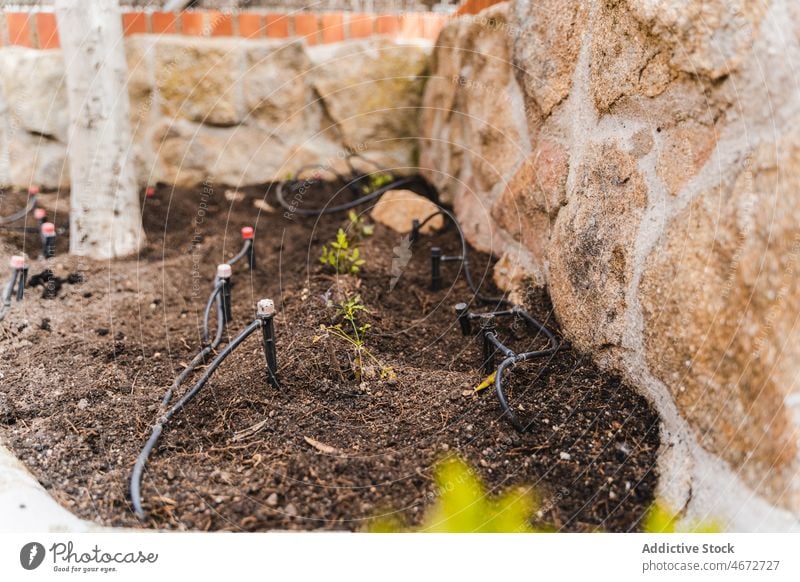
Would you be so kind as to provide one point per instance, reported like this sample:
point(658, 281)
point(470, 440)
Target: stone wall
point(229, 110)
point(642, 159)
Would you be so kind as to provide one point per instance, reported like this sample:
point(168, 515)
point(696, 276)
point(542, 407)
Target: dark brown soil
point(83, 374)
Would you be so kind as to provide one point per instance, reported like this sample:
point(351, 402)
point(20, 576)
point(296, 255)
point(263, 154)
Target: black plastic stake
point(247, 234)
point(23, 280)
point(488, 327)
point(48, 240)
point(436, 268)
point(224, 276)
point(462, 312)
point(413, 237)
point(265, 311)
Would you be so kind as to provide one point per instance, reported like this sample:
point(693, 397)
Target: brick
point(220, 24)
point(47, 30)
point(388, 24)
point(332, 27)
point(19, 29)
point(277, 25)
point(164, 23)
point(250, 25)
point(192, 23)
point(360, 25)
point(305, 25)
point(134, 23)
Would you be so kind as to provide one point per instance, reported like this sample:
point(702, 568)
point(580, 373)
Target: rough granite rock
point(372, 90)
point(198, 79)
point(659, 202)
point(474, 132)
point(398, 208)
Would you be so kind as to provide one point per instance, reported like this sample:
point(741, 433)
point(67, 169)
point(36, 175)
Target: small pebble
point(290, 510)
point(272, 500)
point(564, 456)
point(83, 404)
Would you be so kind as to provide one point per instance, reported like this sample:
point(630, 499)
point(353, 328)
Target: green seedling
point(359, 226)
point(350, 330)
point(342, 254)
point(376, 181)
point(463, 506)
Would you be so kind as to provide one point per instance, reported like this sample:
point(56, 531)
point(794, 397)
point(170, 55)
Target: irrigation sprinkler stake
point(48, 230)
point(265, 311)
point(462, 313)
point(248, 234)
point(150, 192)
point(40, 214)
point(488, 327)
point(436, 268)
point(224, 276)
point(413, 237)
point(19, 277)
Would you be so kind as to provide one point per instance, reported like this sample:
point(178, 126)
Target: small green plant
point(376, 181)
point(353, 332)
point(359, 226)
point(463, 506)
point(660, 519)
point(342, 254)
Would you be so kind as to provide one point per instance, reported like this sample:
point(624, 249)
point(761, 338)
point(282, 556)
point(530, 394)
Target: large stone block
point(199, 79)
point(188, 154)
point(372, 90)
point(33, 84)
point(277, 94)
point(720, 298)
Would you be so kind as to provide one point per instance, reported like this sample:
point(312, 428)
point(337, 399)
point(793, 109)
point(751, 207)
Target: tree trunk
point(105, 219)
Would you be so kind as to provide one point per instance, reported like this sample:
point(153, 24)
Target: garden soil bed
point(82, 375)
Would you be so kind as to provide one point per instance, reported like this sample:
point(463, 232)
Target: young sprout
point(342, 254)
point(352, 331)
point(359, 226)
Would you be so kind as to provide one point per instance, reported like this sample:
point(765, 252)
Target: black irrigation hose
point(246, 250)
point(158, 428)
point(500, 301)
point(202, 354)
point(19, 214)
point(511, 359)
point(207, 312)
point(310, 212)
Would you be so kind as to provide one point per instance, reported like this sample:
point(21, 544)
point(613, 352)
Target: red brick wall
point(475, 6)
point(39, 30)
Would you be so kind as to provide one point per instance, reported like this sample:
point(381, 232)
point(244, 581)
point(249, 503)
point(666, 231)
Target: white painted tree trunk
point(105, 219)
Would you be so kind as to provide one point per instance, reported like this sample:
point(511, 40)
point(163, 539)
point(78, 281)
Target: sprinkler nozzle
point(150, 191)
point(265, 311)
point(265, 308)
point(249, 248)
point(40, 214)
point(436, 268)
point(33, 190)
point(48, 240)
point(224, 271)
